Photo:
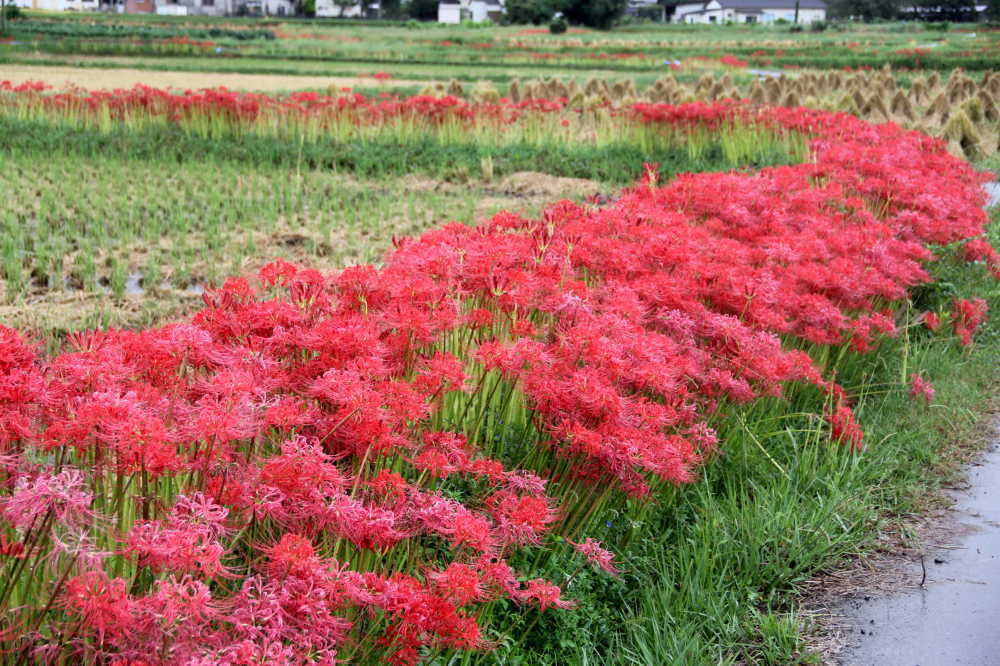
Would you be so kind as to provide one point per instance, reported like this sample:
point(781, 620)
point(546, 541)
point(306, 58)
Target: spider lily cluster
point(349, 116)
point(343, 467)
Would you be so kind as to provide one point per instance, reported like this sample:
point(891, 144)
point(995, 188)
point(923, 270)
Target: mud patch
point(524, 193)
point(519, 185)
point(534, 184)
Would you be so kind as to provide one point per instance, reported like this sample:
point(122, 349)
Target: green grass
point(427, 52)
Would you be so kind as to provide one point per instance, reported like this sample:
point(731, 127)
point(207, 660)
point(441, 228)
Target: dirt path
point(950, 611)
point(101, 78)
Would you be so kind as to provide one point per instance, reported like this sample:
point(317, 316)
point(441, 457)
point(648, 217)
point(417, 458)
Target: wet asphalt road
point(955, 617)
point(993, 190)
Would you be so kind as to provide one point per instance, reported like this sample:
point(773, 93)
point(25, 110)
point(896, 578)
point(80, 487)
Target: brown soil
point(524, 192)
point(534, 184)
point(515, 189)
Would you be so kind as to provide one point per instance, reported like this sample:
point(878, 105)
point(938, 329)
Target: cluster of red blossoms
point(246, 108)
point(733, 61)
point(324, 112)
point(187, 41)
point(314, 468)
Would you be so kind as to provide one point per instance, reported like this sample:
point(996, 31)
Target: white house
point(750, 11)
point(685, 8)
point(456, 11)
point(58, 5)
point(341, 9)
point(195, 7)
point(278, 7)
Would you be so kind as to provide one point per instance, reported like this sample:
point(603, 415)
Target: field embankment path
point(124, 77)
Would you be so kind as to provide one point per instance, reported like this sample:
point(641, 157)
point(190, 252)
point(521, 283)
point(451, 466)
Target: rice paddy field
point(382, 343)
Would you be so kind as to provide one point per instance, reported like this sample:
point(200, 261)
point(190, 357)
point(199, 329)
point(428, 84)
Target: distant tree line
point(594, 13)
point(604, 13)
point(928, 10)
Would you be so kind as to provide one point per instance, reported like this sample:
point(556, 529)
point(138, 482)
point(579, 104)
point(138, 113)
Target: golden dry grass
point(110, 78)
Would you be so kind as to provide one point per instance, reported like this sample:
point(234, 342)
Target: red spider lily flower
point(979, 249)
point(102, 604)
point(480, 318)
point(11, 549)
point(389, 487)
point(733, 61)
point(545, 594)
point(521, 519)
point(597, 555)
point(522, 328)
point(459, 583)
point(63, 496)
point(305, 414)
point(301, 469)
point(844, 427)
point(966, 317)
point(278, 272)
point(468, 529)
point(293, 555)
point(931, 321)
point(188, 542)
point(14, 351)
point(442, 372)
point(176, 621)
point(920, 387)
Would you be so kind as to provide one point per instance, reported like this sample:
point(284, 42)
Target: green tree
point(864, 9)
point(391, 9)
point(948, 10)
point(600, 14)
point(423, 10)
point(8, 12)
point(535, 12)
point(993, 10)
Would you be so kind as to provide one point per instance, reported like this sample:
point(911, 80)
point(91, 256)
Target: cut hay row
point(958, 108)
